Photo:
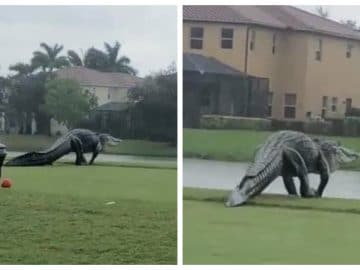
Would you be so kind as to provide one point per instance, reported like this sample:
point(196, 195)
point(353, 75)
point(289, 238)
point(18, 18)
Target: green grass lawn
point(240, 145)
point(16, 142)
point(269, 230)
point(58, 215)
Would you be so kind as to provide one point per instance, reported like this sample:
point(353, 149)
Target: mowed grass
point(269, 230)
point(15, 142)
point(58, 215)
point(240, 145)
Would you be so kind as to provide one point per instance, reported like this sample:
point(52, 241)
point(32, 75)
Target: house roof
point(113, 107)
point(90, 77)
point(203, 64)
point(281, 17)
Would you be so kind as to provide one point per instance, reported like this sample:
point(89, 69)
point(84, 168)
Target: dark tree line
point(156, 106)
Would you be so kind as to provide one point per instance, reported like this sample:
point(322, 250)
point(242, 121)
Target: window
point(227, 36)
point(348, 103)
point(109, 94)
point(205, 98)
point(308, 115)
point(318, 53)
point(196, 38)
point(323, 113)
point(290, 106)
point(252, 40)
point(334, 102)
point(274, 43)
point(270, 101)
point(348, 50)
point(325, 102)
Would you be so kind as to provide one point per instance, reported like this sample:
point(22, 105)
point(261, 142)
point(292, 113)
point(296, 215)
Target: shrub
point(352, 126)
point(287, 125)
point(317, 127)
point(233, 122)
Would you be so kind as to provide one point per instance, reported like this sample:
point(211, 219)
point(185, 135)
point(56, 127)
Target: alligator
point(79, 141)
point(2, 156)
point(290, 154)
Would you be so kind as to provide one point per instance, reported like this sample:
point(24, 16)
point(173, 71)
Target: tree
point(66, 101)
point(350, 23)
point(106, 61)
point(155, 106)
point(322, 12)
point(50, 59)
point(26, 95)
point(22, 69)
point(117, 65)
point(74, 58)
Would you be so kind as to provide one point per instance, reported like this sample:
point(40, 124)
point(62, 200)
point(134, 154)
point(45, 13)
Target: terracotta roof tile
point(202, 64)
point(282, 17)
point(90, 77)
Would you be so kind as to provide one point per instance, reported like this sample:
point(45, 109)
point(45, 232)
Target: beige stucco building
point(312, 63)
point(108, 87)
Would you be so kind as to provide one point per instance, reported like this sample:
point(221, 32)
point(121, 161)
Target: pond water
point(226, 175)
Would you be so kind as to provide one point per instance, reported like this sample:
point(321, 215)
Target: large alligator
point(2, 156)
point(290, 154)
point(79, 141)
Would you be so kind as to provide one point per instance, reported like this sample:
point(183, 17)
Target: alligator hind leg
point(296, 162)
point(289, 185)
point(76, 146)
point(324, 174)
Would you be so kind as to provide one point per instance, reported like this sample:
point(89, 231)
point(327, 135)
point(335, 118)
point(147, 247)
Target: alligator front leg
point(96, 152)
point(76, 146)
point(324, 171)
point(289, 185)
point(294, 161)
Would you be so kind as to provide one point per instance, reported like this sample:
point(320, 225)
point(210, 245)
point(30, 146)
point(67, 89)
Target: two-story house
point(110, 88)
point(106, 86)
point(312, 63)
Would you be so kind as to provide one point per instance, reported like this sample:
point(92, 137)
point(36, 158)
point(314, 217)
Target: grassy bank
point(127, 147)
point(240, 145)
point(59, 215)
point(271, 229)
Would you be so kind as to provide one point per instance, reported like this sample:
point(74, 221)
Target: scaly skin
point(2, 156)
point(290, 154)
point(79, 141)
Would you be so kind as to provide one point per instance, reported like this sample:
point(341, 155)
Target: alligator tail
point(259, 177)
point(30, 159)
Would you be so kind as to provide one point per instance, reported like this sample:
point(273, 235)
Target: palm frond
point(74, 58)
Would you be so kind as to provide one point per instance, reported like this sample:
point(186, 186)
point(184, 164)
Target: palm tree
point(103, 61)
point(49, 60)
point(22, 69)
point(74, 58)
point(117, 65)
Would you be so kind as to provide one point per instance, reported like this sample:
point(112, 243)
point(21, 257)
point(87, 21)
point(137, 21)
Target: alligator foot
point(81, 163)
point(312, 193)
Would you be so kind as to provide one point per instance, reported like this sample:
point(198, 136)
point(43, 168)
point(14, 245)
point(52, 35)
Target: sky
point(147, 33)
point(338, 13)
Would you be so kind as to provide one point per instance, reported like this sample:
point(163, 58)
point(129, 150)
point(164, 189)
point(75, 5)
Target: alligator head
point(335, 153)
point(108, 139)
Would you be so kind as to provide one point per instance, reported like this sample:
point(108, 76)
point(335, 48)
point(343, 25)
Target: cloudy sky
point(147, 34)
point(338, 12)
